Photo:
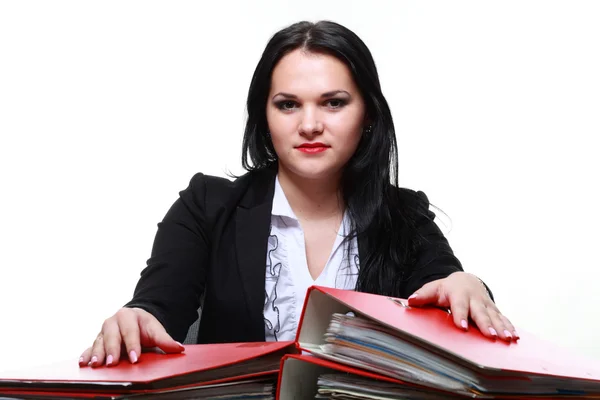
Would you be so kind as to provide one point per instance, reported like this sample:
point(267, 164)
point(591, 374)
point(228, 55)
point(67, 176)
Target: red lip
point(312, 148)
point(312, 145)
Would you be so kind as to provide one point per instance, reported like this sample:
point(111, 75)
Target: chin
point(314, 171)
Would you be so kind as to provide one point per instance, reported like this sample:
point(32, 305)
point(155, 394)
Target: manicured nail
point(133, 356)
point(109, 359)
point(516, 335)
point(413, 296)
point(94, 360)
point(464, 324)
point(180, 345)
point(80, 360)
point(507, 334)
point(493, 332)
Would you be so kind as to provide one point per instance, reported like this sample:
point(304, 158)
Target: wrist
point(485, 287)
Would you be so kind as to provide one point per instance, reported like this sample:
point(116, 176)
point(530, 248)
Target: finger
point(85, 358)
point(481, 317)
point(97, 351)
point(499, 326)
point(112, 341)
point(130, 333)
point(154, 335)
point(500, 323)
point(509, 326)
point(428, 294)
point(459, 306)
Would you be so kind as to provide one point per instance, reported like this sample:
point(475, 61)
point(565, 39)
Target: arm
point(171, 285)
point(436, 260)
point(439, 279)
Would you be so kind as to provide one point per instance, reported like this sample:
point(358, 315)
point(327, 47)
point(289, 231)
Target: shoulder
point(200, 184)
point(410, 194)
point(411, 201)
point(215, 190)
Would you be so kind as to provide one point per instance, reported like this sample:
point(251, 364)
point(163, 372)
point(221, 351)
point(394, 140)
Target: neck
point(312, 199)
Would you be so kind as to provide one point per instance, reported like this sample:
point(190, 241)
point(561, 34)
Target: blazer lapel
point(253, 223)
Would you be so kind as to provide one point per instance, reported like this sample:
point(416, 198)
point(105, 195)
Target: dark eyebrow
point(327, 94)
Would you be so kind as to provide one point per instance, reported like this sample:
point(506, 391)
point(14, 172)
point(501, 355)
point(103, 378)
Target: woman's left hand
point(466, 296)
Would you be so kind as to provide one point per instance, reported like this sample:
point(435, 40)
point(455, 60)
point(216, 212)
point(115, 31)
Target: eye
point(286, 105)
point(335, 103)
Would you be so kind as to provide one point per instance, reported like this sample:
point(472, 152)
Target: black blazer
point(213, 242)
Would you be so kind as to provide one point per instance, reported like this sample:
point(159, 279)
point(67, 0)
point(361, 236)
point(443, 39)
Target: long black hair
point(382, 215)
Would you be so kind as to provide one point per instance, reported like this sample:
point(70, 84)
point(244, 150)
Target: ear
point(367, 124)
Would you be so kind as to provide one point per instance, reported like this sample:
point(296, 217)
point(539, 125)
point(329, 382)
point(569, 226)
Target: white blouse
point(287, 277)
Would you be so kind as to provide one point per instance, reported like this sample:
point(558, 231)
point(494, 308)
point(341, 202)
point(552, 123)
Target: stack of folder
point(220, 371)
point(365, 346)
point(349, 346)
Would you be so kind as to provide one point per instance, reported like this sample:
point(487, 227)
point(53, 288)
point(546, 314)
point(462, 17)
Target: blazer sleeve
point(435, 258)
point(171, 285)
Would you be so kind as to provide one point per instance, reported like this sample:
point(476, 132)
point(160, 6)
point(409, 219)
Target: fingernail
point(180, 345)
point(133, 356)
point(109, 359)
point(493, 332)
point(413, 296)
point(464, 324)
point(94, 360)
point(507, 334)
point(80, 360)
point(516, 334)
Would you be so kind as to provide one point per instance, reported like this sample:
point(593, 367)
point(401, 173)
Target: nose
point(310, 123)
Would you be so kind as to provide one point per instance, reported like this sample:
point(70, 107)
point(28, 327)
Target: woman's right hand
point(125, 334)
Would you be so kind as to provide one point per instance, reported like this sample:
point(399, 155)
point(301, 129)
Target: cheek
point(349, 132)
point(279, 123)
point(282, 129)
point(352, 142)
point(281, 140)
point(270, 118)
point(279, 144)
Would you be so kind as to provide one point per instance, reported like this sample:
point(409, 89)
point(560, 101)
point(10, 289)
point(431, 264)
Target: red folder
point(299, 374)
point(433, 329)
point(198, 365)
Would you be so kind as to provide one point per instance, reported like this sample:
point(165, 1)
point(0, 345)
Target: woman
point(319, 205)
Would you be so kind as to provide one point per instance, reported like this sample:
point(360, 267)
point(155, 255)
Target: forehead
point(301, 72)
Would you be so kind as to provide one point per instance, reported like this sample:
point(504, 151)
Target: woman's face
point(315, 114)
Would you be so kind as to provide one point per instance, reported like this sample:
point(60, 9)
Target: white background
point(107, 109)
